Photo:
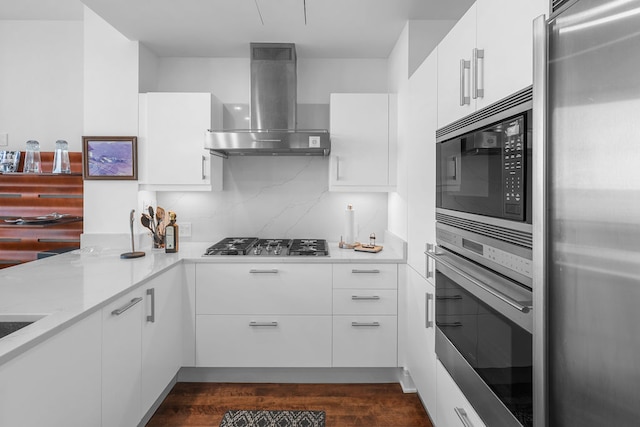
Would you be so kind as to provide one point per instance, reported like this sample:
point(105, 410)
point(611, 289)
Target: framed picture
point(110, 157)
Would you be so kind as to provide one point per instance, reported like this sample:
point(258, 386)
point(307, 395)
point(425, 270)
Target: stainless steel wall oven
point(483, 270)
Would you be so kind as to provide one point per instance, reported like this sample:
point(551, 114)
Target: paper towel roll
point(350, 225)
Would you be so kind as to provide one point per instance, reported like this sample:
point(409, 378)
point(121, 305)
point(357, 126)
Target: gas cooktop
point(255, 246)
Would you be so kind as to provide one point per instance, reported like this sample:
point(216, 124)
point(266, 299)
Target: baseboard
point(158, 402)
point(406, 382)
point(291, 375)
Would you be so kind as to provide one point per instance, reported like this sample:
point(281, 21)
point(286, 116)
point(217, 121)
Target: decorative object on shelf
point(133, 253)
point(171, 234)
point(110, 157)
point(61, 163)
point(157, 222)
point(9, 161)
point(32, 162)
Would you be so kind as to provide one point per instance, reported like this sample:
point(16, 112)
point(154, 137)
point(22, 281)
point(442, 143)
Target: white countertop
point(68, 287)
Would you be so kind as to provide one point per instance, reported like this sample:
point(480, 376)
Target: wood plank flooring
point(345, 405)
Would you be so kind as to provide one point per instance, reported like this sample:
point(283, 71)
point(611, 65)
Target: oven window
point(497, 349)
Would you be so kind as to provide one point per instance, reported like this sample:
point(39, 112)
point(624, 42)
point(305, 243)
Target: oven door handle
point(433, 254)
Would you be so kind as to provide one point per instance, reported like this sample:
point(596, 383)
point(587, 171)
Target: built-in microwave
point(484, 186)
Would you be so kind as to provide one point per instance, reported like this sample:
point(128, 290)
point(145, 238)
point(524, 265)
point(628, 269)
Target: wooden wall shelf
point(30, 195)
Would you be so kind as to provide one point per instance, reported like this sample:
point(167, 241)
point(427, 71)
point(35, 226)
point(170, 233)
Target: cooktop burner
point(254, 246)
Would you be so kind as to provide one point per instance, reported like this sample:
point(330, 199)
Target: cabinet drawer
point(452, 407)
point(365, 341)
point(380, 276)
point(263, 289)
point(365, 301)
point(263, 341)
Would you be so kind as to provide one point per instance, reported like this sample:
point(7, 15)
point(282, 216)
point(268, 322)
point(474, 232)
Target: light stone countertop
point(68, 287)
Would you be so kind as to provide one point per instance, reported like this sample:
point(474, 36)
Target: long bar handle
point(260, 324)
point(361, 298)
point(462, 414)
point(428, 321)
point(449, 324)
point(204, 160)
point(464, 65)
point(428, 273)
point(269, 271)
point(478, 57)
point(515, 304)
point(119, 311)
point(152, 293)
point(358, 271)
point(359, 324)
point(337, 168)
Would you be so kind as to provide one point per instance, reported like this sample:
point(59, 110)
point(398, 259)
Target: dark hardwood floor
point(345, 405)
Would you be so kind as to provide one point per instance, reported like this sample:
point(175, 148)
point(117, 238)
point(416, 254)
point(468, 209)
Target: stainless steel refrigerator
point(587, 214)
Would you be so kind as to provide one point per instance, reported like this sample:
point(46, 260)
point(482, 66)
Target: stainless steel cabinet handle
point(119, 311)
point(337, 168)
point(478, 57)
point(260, 324)
point(360, 298)
point(269, 271)
point(204, 160)
point(152, 293)
point(428, 273)
point(358, 324)
point(464, 65)
point(428, 322)
point(449, 297)
point(462, 414)
point(515, 304)
point(356, 271)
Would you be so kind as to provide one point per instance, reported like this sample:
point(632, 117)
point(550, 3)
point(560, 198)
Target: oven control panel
point(513, 162)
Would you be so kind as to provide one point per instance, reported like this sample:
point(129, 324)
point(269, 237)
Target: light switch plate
point(4, 139)
point(184, 229)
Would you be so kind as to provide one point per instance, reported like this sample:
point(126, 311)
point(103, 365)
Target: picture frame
point(110, 157)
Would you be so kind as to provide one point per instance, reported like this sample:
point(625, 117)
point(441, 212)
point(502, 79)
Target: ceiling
point(224, 28)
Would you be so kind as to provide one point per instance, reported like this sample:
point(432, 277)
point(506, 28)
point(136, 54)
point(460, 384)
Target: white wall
point(41, 83)
point(111, 109)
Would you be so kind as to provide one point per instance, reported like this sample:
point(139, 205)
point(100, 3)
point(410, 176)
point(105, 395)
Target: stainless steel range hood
point(273, 111)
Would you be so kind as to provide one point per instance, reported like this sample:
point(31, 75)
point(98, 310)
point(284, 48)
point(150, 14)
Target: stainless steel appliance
point(483, 258)
point(484, 338)
point(587, 214)
point(254, 246)
point(484, 185)
point(273, 128)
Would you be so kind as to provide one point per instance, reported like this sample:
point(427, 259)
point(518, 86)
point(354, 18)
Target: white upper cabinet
point(172, 127)
point(421, 163)
point(505, 32)
point(363, 154)
point(487, 56)
point(454, 70)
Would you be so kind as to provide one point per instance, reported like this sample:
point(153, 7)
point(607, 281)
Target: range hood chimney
point(273, 111)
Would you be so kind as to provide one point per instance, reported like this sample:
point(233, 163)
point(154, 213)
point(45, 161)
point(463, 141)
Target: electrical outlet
point(184, 229)
point(4, 139)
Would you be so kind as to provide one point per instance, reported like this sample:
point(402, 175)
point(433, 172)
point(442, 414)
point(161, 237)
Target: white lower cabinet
point(56, 383)
point(365, 315)
point(453, 408)
point(161, 334)
point(420, 347)
point(263, 315)
point(121, 360)
point(263, 341)
point(365, 341)
point(141, 349)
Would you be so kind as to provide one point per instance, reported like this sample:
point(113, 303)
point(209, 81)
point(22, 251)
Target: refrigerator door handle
point(540, 227)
